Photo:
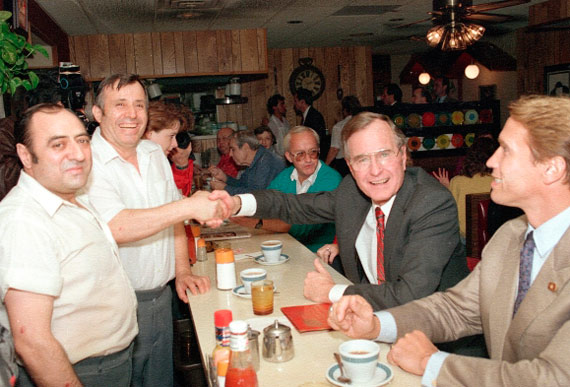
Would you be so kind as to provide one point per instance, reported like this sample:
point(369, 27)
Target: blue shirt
point(263, 169)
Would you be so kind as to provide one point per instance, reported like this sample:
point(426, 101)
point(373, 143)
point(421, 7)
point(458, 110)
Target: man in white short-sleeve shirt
point(133, 189)
point(65, 294)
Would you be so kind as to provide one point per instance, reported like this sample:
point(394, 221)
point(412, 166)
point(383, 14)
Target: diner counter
point(313, 351)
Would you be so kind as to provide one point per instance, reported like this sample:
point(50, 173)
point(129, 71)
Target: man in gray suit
point(421, 250)
point(518, 296)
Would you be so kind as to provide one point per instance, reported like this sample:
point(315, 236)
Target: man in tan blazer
point(529, 346)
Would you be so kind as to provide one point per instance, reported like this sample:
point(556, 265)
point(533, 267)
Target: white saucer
point(383, 376)
point(240, 291)
point(261, 260)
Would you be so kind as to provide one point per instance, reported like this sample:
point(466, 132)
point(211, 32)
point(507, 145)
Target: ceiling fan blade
point(414, 23)
point(487, 17)
point(494, 5)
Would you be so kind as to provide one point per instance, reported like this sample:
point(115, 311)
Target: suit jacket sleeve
point(422, 234)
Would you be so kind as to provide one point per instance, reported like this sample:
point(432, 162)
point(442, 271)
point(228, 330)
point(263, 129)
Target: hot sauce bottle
point(241, 371)
point(221, 354)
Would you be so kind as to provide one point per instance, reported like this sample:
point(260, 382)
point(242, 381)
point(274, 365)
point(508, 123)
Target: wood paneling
point(356, 79)
point(172, 53)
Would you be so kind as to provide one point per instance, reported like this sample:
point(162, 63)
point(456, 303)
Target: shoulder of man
point(282, 178)
point(328, 172)
point(419, 189)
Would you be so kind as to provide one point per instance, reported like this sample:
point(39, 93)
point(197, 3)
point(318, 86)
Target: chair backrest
point(476, 235)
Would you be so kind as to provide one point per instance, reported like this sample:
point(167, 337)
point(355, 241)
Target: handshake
point(209, 208)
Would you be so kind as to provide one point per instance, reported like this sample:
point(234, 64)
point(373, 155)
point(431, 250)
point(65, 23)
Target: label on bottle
point(239, 342)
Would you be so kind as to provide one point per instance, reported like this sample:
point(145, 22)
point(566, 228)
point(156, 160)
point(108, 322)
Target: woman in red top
point(165, 121)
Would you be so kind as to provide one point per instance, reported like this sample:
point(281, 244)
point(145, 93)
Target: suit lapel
point(501, 309)
point(555, 271)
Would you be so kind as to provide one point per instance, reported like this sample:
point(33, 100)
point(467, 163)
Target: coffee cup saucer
point(261, 260)
point(382, 376)
point(240, 291)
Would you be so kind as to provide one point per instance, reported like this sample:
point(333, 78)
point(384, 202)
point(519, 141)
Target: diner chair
point(476, 234)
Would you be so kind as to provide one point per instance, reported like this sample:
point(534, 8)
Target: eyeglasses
point(364, 161)
point(313, 154)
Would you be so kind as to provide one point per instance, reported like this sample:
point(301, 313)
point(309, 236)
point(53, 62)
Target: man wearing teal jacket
point(307, 174)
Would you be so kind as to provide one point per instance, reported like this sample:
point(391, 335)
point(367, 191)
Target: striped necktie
point(525, 270)
point(380, 245)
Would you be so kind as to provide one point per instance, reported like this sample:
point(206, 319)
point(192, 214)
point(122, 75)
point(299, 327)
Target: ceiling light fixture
point(454, 36)
point(424, 78)
point(472, 71)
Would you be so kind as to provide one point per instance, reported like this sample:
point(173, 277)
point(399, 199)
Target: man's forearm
point(182, 262)
point(46, 362)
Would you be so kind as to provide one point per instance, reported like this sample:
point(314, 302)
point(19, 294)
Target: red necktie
point(380, 245)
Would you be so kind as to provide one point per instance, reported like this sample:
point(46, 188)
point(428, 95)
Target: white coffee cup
point(248, 276)
point(360, 359)
point(271, 250)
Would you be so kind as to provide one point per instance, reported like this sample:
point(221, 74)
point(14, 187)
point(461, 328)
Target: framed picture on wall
point(20, 17)
point(557, 79)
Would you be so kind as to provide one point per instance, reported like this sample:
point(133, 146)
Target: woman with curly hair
point(165, 121)
point(475, 177)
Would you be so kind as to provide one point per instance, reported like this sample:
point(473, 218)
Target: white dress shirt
point(279, 128)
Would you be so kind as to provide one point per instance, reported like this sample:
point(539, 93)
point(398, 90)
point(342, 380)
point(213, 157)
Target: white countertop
point(313, 351)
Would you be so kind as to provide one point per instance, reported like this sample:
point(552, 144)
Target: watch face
point(307, 77)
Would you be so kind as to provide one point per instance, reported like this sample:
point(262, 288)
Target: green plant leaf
point(27, 85)
point(4, 87)
point(5, 15)
point(41, 50)
point(9, 55)
point(34, 79)
point(14, 84)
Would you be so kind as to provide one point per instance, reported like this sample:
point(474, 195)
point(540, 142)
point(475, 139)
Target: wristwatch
point(259, 224)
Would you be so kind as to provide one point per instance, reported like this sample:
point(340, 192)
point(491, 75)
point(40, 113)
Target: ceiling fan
point(454, 28)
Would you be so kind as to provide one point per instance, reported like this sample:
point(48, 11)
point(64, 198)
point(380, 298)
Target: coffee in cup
point(360, 359)
point(271, 250)
point(248, 276)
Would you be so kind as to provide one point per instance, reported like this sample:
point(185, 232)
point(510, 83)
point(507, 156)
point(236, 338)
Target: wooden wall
point(539, 48)
point(356, 79)
point(181, 53)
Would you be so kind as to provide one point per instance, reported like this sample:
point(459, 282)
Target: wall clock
point(308, 77)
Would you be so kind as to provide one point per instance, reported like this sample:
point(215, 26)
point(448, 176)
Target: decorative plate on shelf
point(457, 140)
point(442, 141)
point(469, 138)
point(443, 119)
point(471, 117)
point(414, 143)
point(414, 120)
point(399, 121)
point(486, 116)
point(428, 119)
point(457, 117)
point(428, 143)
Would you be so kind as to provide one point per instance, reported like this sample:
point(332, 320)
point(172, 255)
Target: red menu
point(308, 318)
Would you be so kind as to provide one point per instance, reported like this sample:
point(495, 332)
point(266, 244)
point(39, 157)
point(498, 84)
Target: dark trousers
point(110, 370)
point(152, 356)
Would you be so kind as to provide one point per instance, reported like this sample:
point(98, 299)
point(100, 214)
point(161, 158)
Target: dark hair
point(477, 156)
point(263, 128)
point(305, 95)
point(393, 89)
point(274, 101)
point(351, 104)
point(447, 83)
point(22, 127)
point(124, 80)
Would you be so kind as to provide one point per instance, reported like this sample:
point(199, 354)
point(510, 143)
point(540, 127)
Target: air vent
point(365, 10)
point(192, 4)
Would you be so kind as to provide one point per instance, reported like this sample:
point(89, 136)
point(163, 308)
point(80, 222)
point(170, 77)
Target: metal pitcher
point(277, 343)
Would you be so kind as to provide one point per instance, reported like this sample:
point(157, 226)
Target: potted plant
point(14, 50)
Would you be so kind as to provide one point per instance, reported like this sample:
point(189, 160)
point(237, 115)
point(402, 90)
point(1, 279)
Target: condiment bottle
point(225, 269)
point(221, 354)
point(240, 371)
point(201, 253)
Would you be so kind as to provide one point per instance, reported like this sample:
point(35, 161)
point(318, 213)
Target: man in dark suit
point(312, 118)
point(422, 251)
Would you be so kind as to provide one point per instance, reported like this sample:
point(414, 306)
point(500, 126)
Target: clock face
point(307, 77)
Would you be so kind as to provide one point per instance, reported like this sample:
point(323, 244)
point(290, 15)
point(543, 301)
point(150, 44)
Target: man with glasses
point(262, 165)
point(307, 174)
point(411, 251)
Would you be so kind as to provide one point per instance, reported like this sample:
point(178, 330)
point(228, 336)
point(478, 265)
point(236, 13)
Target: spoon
point(341, 378)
